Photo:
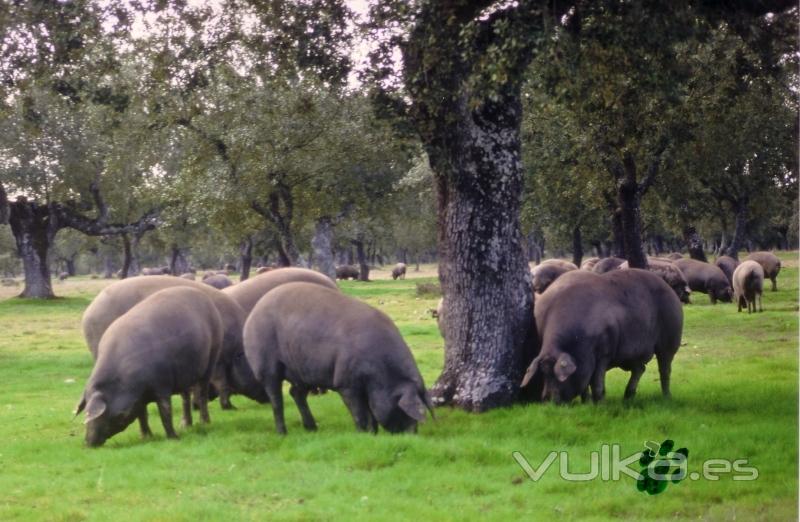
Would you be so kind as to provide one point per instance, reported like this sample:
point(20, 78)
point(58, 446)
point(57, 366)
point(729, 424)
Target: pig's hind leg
point(186, 420)
point(300, 396)
point(165, 411)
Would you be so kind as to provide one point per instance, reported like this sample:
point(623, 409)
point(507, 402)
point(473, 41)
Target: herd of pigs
point(156, 336)
point(605, 315)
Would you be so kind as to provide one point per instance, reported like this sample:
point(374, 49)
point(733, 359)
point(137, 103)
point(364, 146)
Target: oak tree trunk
point(739, 230)
point(70, 265)
point(108, 266)
point(483, 268)
point(577, 246)
point(127, 258)
point(245, 258)
point(617, 234)
point(178, 264)
point(694, 243)
point(321, 243)
point(34, 228)
point(361, 256)
point(629, 198)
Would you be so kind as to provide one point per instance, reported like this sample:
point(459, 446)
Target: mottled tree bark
point(694, 243)
point(472, 137)
point(483, 268)
point(34, 227)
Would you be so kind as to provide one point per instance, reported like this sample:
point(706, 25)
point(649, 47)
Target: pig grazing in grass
point(247, 293)
point(748, 285)
point(589, 323)
point(399, 271)
point(316, 337)
point(166, 344)
point(116, 299)
point(706, 278)
point(771, 265)
point(347, 272)
point(671, 275)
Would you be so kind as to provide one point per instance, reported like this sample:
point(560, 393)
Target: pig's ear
point(565, 366)
point(81, 405)
point(532, 369)
point(412, 405)
point(94, 407)
point(426, 398)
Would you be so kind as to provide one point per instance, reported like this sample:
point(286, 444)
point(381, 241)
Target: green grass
point(735, 387)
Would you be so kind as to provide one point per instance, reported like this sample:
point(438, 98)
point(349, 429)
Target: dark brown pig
point(771, 265)
point(706, 278)
point(117, 298)
point(607, 264)
point(727, 264)
point(589, 323)
point(546, 272)
point(316, 337)
point(247, 293)
point(167, 344)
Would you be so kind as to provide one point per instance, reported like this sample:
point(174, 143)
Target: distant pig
point(727, 264)
point(399, 271)
point(607, 264)
point(347, 272)
point(247, 293)
point(588, 264)
point(316, 337)
point(671, 275)
point(748, 285)
point(166, 344)
point(546, 272)
point(771, 265)
point(706, 278)
point(589, 323)
point(218, 281)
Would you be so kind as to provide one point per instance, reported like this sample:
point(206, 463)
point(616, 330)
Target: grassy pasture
point(735, 395)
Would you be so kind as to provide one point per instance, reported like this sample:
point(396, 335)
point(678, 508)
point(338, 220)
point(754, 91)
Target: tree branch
point(653, 167)
point(69, 217)
point(5, 210)
point(219, 145)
